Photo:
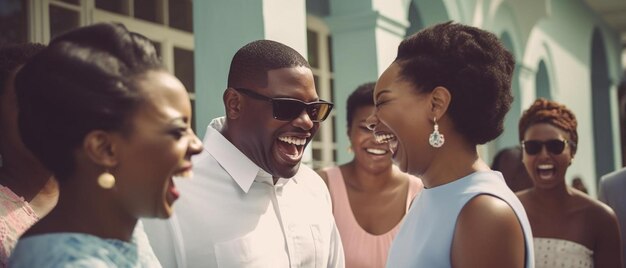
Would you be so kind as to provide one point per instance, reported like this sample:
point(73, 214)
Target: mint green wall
point(510, 136)
point(222, 27)
point(363, 43)
point(354, 62)
point(437, 11)
point(563, 41)
point(503, 22)
point(365, 35)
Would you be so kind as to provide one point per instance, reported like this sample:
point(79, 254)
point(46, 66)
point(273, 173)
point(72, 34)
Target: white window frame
point(324, 74)
point(39, 29)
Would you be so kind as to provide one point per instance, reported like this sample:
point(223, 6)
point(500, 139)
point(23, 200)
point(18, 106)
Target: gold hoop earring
point(106, 180)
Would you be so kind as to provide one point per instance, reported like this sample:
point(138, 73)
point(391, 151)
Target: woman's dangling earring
point(436, 139)
point(106, 180)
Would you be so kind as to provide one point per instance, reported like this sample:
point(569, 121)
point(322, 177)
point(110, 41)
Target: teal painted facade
point(563, 49)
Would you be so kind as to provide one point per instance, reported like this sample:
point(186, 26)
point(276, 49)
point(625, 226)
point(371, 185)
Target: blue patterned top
point(83, 250)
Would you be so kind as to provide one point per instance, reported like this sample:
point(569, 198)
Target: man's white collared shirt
point(230, 214)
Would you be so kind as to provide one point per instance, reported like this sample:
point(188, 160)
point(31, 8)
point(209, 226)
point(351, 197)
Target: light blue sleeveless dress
point(83, 250)
point(425, 238)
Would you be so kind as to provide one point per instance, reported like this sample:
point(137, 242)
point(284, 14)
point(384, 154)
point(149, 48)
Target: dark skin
point(251, 127)
point(97, 217)
point(479, 242)
point(21, 171)
point(556, 210)
point(377, 191)
point(487, 233)
point(377, 206)
point(143, 159)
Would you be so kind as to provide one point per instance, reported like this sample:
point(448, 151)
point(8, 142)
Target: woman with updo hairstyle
point(570, 228)
point(448, 91)
point(98, 109)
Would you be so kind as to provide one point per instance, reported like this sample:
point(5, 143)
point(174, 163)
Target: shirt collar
point(238, 165)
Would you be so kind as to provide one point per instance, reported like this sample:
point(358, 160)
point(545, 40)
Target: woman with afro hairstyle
point(570, 228)
point(447, 92)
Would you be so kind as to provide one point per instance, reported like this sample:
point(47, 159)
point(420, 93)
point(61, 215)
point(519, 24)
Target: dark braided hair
point(553, 113)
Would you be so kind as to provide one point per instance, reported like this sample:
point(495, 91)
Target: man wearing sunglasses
point(251, 203)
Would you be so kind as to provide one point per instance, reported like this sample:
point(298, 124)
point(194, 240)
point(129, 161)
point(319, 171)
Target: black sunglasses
point(287, 109)
point(554, 146)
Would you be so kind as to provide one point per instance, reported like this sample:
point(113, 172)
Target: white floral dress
point(552, 252)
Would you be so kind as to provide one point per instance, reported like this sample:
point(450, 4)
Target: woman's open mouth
point(376, 151)
point(546, 171)
point(172, 194)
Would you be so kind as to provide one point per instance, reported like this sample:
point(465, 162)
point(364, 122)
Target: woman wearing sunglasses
point(570, 229)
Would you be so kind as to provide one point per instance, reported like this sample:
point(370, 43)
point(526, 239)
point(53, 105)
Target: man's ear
point(232, 103)
point(100, 147)
point(440, 101)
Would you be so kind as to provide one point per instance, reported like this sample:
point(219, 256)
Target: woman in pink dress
point(370, 195)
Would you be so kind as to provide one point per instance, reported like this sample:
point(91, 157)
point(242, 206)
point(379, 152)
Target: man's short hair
point(252, 62)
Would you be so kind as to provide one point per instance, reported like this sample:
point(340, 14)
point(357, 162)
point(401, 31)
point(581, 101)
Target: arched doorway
point(600, 96)
point(424, 13)
point(542, 82)
point(415, 20)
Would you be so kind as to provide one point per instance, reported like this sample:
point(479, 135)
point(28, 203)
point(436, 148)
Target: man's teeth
point(376, 151)
point(384, 138)
point(293, 140)
point(545, 166)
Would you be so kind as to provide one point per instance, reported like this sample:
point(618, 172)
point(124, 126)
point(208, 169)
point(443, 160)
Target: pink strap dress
point(361, 248)
point(16, 216)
